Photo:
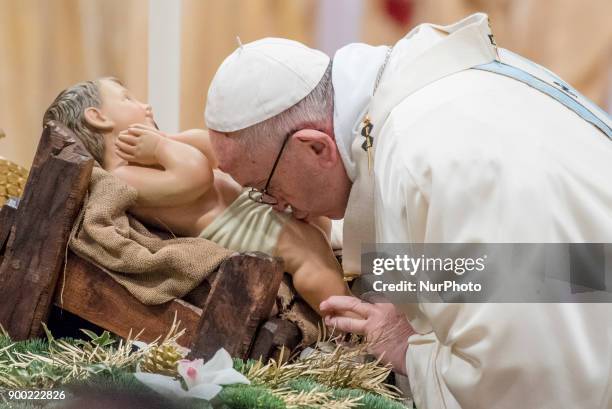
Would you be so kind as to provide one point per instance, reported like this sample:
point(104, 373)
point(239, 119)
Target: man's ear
point(96, 119)
point(319, 144)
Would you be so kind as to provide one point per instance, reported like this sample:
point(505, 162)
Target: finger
point(125, 147)
point(341, 303)
point(124, 156)
point(129, 139)
point(346, 324)
point(136, 131)
point(139, 125)
point(143, 127)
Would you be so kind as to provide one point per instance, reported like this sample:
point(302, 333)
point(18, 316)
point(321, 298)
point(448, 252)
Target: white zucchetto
point(260, 80)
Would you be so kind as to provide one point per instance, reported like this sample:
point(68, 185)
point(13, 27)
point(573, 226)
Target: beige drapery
point(209, 30)
point(572, 38)
point(46, 46)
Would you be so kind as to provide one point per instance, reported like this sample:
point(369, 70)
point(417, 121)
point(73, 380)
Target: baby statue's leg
point(309, 259)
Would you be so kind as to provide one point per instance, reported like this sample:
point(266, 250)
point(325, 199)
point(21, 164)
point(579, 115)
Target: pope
point(442, 138)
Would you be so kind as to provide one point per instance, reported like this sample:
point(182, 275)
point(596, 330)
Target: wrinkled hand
point(138, 144)
point(386, 329)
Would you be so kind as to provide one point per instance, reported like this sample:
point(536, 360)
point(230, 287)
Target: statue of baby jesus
point(181, 190)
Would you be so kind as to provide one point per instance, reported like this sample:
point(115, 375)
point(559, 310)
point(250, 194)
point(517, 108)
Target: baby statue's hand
point(138, 144)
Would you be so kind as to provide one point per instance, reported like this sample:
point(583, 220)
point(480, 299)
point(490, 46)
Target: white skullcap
point(260, 80)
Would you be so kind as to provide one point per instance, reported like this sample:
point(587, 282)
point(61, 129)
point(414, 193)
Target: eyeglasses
point(262, 196)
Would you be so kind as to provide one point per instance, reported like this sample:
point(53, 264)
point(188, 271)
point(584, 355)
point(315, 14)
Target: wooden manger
point(37, 271)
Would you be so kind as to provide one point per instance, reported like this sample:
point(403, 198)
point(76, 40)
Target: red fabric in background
point(400, 11)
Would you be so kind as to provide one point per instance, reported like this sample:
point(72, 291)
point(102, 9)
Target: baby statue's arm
point(198, 138)
point(185, 172)
point(309, 259)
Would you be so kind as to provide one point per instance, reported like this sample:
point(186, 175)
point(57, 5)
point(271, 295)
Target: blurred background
point(166, 51)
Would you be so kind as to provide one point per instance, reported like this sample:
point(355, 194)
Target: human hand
point(139, 144)
point(386, 329)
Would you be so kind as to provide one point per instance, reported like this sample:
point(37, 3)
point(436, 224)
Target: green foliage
point(18, 405)
point(104, 340)
point(368, 400)
point(105, 367)
point(111, 380)
point(43, 364)
point(249, 396)
point(31, 345)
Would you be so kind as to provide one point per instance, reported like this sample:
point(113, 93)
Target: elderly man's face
point(309, 177)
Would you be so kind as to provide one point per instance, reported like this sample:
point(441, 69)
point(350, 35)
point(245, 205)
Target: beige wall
point(49, 45)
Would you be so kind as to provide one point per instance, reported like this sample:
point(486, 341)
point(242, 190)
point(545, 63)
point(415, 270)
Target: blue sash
point(561, 91)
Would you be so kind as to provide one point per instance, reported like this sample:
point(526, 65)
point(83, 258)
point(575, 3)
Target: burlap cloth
point(152, 269)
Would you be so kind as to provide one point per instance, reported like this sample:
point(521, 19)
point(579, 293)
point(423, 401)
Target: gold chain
point(366, 124)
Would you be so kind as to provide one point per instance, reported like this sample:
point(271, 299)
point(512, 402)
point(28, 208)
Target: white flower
point(140, 344)
point(203, 380)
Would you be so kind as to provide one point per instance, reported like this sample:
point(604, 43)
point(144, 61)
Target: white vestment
point(472, 156)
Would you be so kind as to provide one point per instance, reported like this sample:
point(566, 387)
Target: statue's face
point(122, 108)
point(118, 111)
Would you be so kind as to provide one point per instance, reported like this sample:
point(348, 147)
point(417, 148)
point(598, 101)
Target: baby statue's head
point(96, 111)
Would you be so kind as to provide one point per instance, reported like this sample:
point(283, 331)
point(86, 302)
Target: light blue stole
point(559, 90)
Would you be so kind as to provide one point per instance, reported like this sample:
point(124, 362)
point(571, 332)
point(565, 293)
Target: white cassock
point(463, 155)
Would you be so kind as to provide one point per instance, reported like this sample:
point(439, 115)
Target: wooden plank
point(36, 246)
point(274, 335)
point(241, 297)
point(7, 219)
point(93, 295)
point(199, 295)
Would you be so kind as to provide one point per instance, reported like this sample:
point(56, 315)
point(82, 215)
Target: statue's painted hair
point(69, 109)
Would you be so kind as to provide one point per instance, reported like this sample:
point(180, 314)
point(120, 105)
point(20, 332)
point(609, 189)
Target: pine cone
point(163, 359)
